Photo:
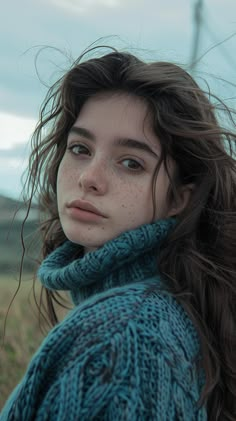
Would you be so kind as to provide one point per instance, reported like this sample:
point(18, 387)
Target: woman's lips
point(84, 211)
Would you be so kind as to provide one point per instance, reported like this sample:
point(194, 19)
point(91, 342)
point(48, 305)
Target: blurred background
point(38, 41)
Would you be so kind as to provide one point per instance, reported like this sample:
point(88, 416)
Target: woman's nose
point(93, 178)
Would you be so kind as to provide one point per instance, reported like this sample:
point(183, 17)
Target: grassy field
point(22, 336)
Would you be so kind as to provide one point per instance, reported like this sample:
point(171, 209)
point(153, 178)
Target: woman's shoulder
point(146, 305)
point(109, 350)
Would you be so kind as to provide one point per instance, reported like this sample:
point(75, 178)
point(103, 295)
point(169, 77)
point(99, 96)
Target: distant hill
point(10, 208)
point(12, 214)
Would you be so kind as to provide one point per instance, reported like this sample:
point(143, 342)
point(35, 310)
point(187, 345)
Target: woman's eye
point(131, 164)
point(79, 149)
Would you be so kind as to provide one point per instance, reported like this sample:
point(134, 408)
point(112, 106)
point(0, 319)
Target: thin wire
point(222, 49)
point(213, 47)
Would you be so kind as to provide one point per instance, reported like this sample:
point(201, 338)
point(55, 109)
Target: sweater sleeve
point(102, 364)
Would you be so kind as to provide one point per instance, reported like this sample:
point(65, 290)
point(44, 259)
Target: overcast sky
point(160, 29)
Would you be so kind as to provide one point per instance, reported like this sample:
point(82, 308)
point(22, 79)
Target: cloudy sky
point(153, 28)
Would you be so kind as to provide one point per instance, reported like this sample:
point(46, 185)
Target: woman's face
point(109, 163)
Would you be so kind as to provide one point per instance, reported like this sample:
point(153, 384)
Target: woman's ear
point(184, 194)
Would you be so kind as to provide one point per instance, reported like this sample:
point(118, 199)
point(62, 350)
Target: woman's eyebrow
point(82, 132)
point(124, 142)
point(137, 144)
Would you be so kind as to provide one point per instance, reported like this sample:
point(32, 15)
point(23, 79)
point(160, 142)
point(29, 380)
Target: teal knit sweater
point(127, 351)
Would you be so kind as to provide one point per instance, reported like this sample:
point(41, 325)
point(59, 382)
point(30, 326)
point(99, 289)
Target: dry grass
point(22, 336)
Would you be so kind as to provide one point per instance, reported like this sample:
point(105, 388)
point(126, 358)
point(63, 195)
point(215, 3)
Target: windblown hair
point(198, 259)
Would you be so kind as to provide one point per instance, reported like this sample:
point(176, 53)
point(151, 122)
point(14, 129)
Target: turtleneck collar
point(128, 258)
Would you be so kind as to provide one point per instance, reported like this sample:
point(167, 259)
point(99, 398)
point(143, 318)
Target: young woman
point(137, 178)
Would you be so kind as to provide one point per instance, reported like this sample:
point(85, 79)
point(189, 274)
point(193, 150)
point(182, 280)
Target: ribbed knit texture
point(126, 352)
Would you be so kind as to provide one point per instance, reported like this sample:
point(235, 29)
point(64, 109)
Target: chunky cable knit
point(126, 352)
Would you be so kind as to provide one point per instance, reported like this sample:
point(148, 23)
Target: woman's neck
point(129, 258)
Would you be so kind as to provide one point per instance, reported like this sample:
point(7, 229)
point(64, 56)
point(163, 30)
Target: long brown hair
point(198, 259)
